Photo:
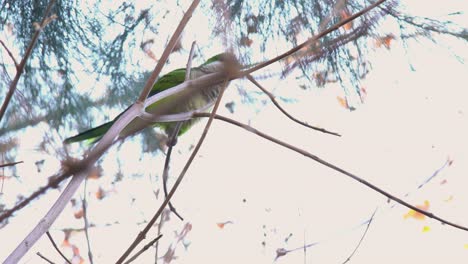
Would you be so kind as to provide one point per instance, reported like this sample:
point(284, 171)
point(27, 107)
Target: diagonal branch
point(143, 249)
point(10, 54)
point(10, 164)
point(20, 68)
point(313, 39)
point(56, 247)
point(173, 139)
point(333, 167)
point(158, 213)
point(362, 237)
point(167, 51)
point(79, 169)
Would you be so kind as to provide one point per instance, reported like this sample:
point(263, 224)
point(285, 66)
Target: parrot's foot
point(171, 142)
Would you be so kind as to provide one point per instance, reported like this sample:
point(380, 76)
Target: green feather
point(167, 81)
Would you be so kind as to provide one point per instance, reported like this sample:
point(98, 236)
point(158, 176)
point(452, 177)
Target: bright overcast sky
point(410, 124)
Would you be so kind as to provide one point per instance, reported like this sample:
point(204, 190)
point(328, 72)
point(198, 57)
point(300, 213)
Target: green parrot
point(198, 100)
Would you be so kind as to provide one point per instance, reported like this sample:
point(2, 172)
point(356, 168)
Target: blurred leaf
point(418, 215)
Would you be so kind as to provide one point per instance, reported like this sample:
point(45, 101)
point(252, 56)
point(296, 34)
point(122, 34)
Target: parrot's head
point(223, 62)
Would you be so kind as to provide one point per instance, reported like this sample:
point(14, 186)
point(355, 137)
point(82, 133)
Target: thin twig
point(305, 248)
point(167, 51)
point(84, 205)
point(333, 167)
point(362, 237)
point(143, 249)
point(56, 180)
point(188, 69)
point(10, 54)
point(313, 39)
point(143, 233)
point(272, 98)
point(173, 139)
point(56, 247)
point(79, 169)
point(161, 221)
point(83, 166)
point(20, 67)
point(44, 258)
point(171, 143)
point(10, 164)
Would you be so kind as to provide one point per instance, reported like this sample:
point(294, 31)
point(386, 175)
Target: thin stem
point(20, 67)
point(313, 39)
point(275, 102)
point(56, 247)
point(10, 164)
point(362, 237)
point(84, 205)
point(44, 258)
point(333, 167)
point(167, 51)
point(143, 233)
point(143, 249)
point(173, 138)
point(10, 54)
point(165, 177)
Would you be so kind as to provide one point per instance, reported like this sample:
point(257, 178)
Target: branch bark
point(334, 167)
point(20, 68)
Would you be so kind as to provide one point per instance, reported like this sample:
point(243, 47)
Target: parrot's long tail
point(93, 134)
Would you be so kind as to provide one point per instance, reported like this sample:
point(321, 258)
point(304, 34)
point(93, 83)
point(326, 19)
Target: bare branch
point(10, 164)
point(313, 39)
point(143, 249)
point(272, 98)
point(10, 54)
point(167, 51)
point(143, 233)
point(53, 183)
point(56, 247)
point(362, 237)
point(44, 258)
point(333, 167)
point(171, 143)
point(20, 67)
point(79, 169)
point(189, 62)
point(173, 138)
point(84, 205)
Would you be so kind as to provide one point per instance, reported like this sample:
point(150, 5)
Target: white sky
point(409, 125)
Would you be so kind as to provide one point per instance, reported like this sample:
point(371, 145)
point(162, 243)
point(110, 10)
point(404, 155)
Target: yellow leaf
point(426, 229)
point(418, 215)
point(450, 198)
point(342, 101)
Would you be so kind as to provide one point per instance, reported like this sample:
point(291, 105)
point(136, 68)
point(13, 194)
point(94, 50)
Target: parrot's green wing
point(167, 81)
point(93, 134)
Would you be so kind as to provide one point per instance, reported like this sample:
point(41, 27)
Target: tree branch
point(313, 39)
point(20, 68)
point(167, 51)
point(334, 167)
point(10, 54)
point(143, 233)
point(56, 247)
point(273, 100)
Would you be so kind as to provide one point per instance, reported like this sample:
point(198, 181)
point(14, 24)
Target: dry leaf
point(344, 15)
point(418, 215)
